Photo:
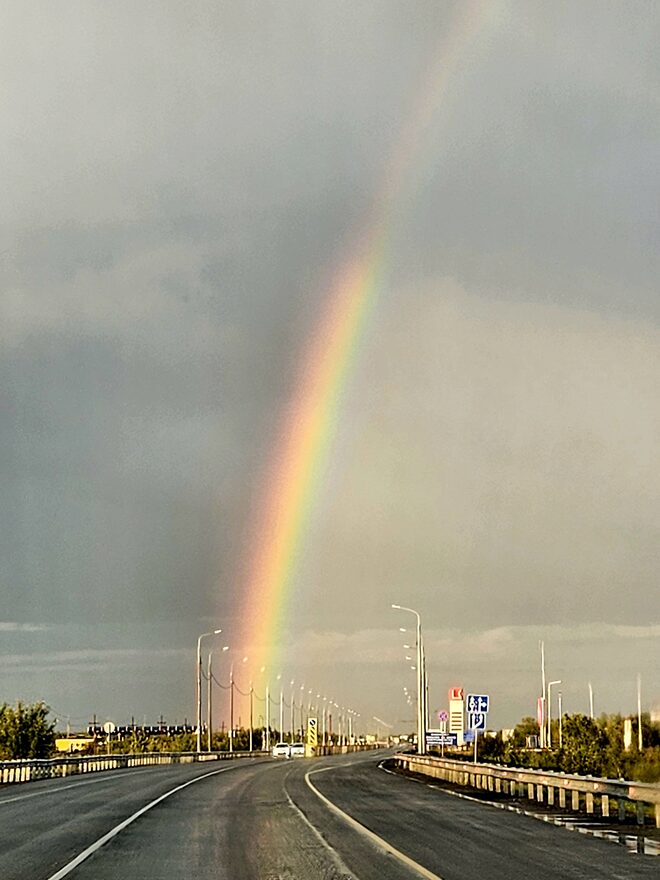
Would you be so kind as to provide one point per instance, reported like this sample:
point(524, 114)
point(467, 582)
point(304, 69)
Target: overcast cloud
point(180, 182)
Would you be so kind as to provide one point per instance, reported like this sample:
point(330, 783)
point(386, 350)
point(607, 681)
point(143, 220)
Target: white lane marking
point(366, 832)
point(336, 858)
point(86, 853)
point(102, 778)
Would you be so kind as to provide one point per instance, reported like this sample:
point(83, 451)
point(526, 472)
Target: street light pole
point(231, 704)
point(231, 707)
point(199, 685)
point(421, 687)
point(640, 741)
point(543, 709)
point(210, 698)
point(550, 684)
point(209, 705)
point(251, 693)
point(267, 733)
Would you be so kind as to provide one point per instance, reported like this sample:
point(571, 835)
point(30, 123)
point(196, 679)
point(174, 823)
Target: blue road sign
point(476, 720)
point(477, 703)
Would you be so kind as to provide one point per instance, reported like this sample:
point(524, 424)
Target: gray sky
point(180, 183)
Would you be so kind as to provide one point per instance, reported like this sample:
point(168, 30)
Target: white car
point(297, 750)
point(281, 750)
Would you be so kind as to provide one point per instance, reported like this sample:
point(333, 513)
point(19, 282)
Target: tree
point(515, 748)
point(25, 731)
point(584, 746)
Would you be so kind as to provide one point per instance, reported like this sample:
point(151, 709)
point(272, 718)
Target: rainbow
point(308, 425)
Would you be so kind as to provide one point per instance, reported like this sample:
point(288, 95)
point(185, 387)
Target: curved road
point(326, 819)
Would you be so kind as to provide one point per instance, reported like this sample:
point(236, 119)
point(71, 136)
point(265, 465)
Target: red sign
point(540, 711)
point(456, 693)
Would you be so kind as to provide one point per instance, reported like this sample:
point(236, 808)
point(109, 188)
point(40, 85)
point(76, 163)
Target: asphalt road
point(262, 820)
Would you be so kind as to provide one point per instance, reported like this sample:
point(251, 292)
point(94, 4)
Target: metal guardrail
point(542, 786)
point(30, 770)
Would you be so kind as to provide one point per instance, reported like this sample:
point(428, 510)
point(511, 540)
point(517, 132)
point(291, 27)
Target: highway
point(280, 820)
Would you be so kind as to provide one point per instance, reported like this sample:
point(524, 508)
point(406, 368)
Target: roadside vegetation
point(592, 747)
point(25, 731)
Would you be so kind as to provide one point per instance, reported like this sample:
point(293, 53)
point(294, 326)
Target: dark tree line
point(590, 746)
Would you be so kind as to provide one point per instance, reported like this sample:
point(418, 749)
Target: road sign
point(441, 739)
point(477, 703)
point(312, 732)
point(476, 720)
point(443, 716)
point(109, 727)
point(456, 693)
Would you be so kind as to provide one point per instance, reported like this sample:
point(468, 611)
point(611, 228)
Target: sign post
point(477, 709)
point(312, 737)
point(443, 717)
point(109, 727)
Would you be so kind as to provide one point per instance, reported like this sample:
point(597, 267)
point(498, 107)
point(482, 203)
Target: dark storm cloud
point(181, 182)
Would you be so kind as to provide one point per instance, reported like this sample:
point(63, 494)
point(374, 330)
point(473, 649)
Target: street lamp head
point(396, 606)
point(216, 631)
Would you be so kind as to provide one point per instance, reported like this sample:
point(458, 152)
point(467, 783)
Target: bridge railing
point(585, 793)
point(48, 768)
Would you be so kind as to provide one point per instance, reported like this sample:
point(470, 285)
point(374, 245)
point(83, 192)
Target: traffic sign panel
point(477, 703)
point(477, 720)
point(441, 739)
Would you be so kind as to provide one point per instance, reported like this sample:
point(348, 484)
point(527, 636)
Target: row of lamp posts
point(347, 717)
point(422, 681)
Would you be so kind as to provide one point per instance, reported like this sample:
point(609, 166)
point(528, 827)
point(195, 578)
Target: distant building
point(71, 744)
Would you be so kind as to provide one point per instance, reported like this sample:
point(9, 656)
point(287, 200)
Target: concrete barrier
point(587, 793)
